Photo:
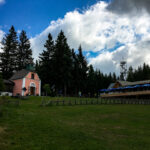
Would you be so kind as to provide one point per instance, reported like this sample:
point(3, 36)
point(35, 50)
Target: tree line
point(61, 69)
point(141, 73)
point(67, 70)
point(16, 53)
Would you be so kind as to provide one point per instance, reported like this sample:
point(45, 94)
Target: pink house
point(26, 82)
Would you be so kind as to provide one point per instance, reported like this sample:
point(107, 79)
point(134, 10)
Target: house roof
point(8, 82)
point(20, 74)
point(111, 85)
point(126, 83)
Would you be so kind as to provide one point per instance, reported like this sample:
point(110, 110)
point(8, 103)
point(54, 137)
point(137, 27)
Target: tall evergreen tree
point(130, 75)
point(83, 68)
point(75, 74)
point(9, 54)
point(91, 81)
point(45, 62)
point(62, 60)
point(24, 53)
point(114, 77)
point(2, 85)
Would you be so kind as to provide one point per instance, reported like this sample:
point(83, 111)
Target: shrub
point(3, 100)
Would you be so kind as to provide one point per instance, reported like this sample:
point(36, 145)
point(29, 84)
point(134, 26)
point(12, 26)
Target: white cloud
point(88, 54)
point(135, 54)
point(1, 37)
point(2, 1)
point(130, 7)
point(97, 29)
point(18, 31)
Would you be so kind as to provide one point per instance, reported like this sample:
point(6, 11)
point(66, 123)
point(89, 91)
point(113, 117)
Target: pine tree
point(75, 74)
point(62, 60)
point(91, 81)
point(83, 68)
point(45, 62)
point(114, 77)
point(130, 75)
point(24, 53)
point(2, 85)
point(9, 54)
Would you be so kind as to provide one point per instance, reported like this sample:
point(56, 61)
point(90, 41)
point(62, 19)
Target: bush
point(3, 99)
point(2, 102)
point(47, 89)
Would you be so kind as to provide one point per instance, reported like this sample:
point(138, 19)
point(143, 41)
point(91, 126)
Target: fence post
point(97, 101)
point(70, 103)
point(75, 102)
point(63, 103)
point(86, 101)
point(80, 102)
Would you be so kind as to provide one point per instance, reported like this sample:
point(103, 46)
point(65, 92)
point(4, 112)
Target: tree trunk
point(65, 90)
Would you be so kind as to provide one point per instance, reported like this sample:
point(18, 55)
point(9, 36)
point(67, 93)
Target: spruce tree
point(130, 75)
point(83, 68)
point(114, 77)
point(24, 53)
point(62, 63)
point(9, 54)
point(45, 62)
point(2, 85)
point(75, 73)
point(91, 81)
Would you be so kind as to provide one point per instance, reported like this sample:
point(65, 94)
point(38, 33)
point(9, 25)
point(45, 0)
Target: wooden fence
point(10, 102)
point(94, 102)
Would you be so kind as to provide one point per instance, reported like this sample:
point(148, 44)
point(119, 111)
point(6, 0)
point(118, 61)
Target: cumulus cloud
point(135, 54)
point(105, 36)
point(100, 30)
point(129, 6)
point(95, 29)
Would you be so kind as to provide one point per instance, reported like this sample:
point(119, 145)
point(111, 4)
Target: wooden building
point(127, 89)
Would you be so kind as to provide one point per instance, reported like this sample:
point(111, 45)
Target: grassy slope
point(106, 127)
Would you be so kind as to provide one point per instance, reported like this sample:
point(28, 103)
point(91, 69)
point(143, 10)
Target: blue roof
point(126, 87)
point(136, 86)
point(146, 85)
point(103, 90)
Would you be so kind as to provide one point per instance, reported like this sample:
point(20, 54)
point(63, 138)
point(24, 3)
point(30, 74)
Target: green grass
point(91, 127)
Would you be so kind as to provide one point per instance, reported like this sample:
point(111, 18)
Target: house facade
point(138, 89)
point(26, 82)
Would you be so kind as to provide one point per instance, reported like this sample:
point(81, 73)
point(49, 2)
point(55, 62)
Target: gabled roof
point(8, 82)
point(111, 85)
point(20, 74)
point(126, 83)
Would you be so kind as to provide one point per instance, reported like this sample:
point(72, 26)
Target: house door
point(32, 90)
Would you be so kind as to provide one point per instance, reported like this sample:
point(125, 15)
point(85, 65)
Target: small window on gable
point(32, 76)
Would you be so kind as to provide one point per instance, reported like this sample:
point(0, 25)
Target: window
point(32, 76)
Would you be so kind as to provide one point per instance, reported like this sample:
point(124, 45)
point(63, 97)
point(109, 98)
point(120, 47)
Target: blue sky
point(35, 15)
point(107, 30)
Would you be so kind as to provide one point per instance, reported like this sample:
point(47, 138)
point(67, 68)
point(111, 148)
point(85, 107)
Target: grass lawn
point(91, 127)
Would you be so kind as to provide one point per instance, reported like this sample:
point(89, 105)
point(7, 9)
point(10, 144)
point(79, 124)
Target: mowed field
point(81, 127)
